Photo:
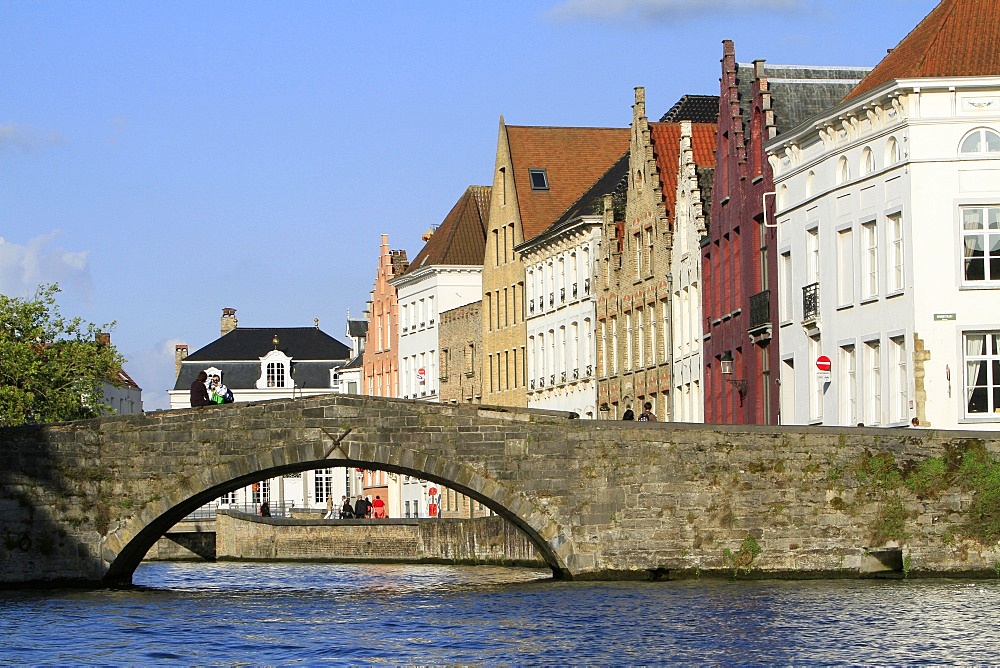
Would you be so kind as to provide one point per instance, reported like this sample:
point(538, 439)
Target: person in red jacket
point(379, 507)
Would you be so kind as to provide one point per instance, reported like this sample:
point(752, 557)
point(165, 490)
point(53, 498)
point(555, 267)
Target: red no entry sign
point(823, 363)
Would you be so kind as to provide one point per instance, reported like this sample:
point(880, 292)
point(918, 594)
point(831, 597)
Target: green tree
point(52, 368)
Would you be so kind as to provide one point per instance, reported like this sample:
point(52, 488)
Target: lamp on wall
point(726, 366)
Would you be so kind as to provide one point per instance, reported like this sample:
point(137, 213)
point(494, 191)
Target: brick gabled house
point(380, 363)
point(739, 258)
point(539, 173)
point(633, 288)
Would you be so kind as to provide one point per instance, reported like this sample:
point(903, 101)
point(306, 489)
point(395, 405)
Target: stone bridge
point(82, 502)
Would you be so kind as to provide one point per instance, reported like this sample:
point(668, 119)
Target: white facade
point(687, 371)
point(888, 214)
point(562, 310)
point(421, 295)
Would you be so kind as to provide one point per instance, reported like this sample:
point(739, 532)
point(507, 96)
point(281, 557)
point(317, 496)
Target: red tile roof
point(666, 139)
point(574, 158)
point(957, 39)
point(461, 237)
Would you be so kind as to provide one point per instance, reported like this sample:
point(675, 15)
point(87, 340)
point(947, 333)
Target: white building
point(562, 308)
point(888, 214)
point(694, 190)
point(273, 363)
point(446, 274)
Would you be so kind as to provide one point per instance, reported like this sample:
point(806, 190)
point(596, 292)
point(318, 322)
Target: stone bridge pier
point(82, 502)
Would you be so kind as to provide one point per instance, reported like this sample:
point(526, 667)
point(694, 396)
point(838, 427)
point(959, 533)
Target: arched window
point(891, 151)
point(867, 161)
point(980, 140)
point(782, 197)
point(810, 183)
point(843, 170)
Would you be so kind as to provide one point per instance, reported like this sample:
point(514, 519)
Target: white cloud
point(153, 370)
point(26, 137)
point(663, 10)
point(24, 268)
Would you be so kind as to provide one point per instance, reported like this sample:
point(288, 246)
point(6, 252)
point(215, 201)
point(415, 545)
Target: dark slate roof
point(237, 354)
point(252, 343)
point(694, 108)
point(461, 238)
point(957, 39)
point(355, 363)
point(357, 328)
point(798, 92)
point(591, 203)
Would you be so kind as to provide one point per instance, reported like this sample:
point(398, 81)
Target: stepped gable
point(591, 203)
point(694, 108)
point(574, 158)
point(798, 92)
point(666, 138)
point(957, 39)
point(461, 237)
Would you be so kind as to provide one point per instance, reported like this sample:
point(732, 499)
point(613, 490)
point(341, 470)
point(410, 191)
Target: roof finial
point(316, 323)
point(275, 341)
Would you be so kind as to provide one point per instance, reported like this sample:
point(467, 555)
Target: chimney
point(228, 320)
point(103, 337)
point(180, 352)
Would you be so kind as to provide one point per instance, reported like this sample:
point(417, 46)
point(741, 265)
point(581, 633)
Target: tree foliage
point(52, 368)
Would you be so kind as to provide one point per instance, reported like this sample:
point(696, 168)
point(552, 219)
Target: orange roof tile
point(574, 158)
point(666, 139)
point(957, 39)
point(461, 237)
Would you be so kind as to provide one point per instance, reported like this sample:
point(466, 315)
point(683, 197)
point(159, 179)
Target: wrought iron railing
point(760, 310)
point(810, 301)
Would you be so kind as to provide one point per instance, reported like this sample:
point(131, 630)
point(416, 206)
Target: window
point(628, 341)
point(896, 252)
point(873, 383)
point(649, 252)
point(843, 170)
point(848, 386)
point(275, 374)
point(891, 151)
point(869, 260)
point(981, 230)
point(867, 161)
point(614, 345)
point(642, 338)
point(324, 484)
point(539, 179)
point(785, 278)
point(845, 267)
point(899, 408)
point(980, 140)
point(815, 385)
point(982, 373)
point(638, 256)
point(812, 247)
point(810, 183)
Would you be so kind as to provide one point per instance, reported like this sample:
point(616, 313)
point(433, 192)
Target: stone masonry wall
point(85, 501)
point(485, 540)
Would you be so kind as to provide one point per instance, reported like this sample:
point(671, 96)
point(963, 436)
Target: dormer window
point(275, 371)
point(539, 179)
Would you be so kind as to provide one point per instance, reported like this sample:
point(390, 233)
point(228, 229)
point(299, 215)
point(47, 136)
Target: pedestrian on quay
point(647, 413)
point(346, 511)
point(329, 508)
point(199, 391)
point(628, 414)
point(265, 509)
point(378, 508)
point(361, 508)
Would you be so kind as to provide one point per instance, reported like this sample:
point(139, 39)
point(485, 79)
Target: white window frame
point(869, 260)
point(986, 383)
point(986, 235)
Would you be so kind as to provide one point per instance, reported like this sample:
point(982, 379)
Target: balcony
point(810, 303)
point(760, 317)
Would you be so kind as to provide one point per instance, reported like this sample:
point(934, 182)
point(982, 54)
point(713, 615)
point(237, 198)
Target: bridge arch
point(125, 547)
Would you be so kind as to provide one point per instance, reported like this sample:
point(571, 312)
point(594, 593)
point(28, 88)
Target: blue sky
point(161, 161)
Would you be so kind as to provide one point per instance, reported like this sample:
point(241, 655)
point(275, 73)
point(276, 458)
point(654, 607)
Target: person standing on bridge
point(379, 508)
point(329, 508)
point(647, 414)
point(346, 510)
point(199, 391)
point(361, 508)
point(628, 414)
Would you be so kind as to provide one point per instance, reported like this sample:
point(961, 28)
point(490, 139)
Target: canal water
point(322, 614)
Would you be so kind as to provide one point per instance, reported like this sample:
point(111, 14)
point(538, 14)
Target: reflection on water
point(403, 614)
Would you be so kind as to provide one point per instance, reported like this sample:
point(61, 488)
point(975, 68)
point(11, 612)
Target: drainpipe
point(670, 341)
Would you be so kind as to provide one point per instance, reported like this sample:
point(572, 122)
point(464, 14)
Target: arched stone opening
point(125, 547)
